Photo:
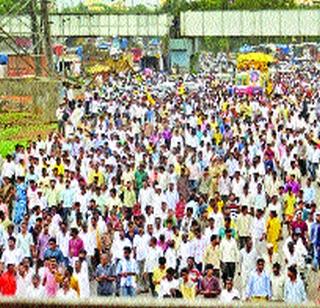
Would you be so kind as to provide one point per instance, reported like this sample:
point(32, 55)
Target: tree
point(13, 6)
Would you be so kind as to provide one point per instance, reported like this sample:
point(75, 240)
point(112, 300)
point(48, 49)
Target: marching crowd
point(171, 193)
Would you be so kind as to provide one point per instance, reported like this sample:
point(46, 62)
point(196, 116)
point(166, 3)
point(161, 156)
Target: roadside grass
point(21, 128)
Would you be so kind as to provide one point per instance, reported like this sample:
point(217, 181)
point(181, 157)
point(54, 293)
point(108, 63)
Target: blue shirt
point(315, 234)
point(67, 196)
point(105, 287)
point(56, 253)
point(309, 194)
point(294, 292)
point(127, 266)
point(258, 285)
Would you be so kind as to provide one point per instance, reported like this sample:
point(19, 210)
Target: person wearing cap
point(300, 224)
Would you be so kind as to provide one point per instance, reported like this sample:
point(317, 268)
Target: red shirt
point(302, 225)
point(8, 284)
point(180, 208)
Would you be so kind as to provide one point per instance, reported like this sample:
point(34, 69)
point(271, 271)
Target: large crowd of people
point(168, 192)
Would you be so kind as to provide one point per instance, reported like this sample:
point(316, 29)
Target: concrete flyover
point(93, 25)
point(251, 23)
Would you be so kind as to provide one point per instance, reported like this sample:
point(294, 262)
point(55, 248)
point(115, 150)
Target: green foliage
point(13, 7)
point(173, 7)
point(21, 128)
point(194, 63)
point(6, 5)
point(13, 117)
point(107, 9)
point(8, 146)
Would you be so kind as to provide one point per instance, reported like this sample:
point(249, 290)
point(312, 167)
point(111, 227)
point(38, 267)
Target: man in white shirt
point(89, 240)
point(243, 223)
point(172, 197)
point(237, 184)
point(63, 237)
point(168, 285)
point(277, 283)
point(36, 291)
point(145, 196)
point(224, 185)
point(258, 232)
point(23, 282)
point(24, 241)
point(229, 294)
point(140, 245)
point(118, 245)
point(66, 293)
point(229, 255)
point(184, 251)
point(11, 254)
point(248, 259)
point(8, 168)
point(197, 247)
point(152, 259)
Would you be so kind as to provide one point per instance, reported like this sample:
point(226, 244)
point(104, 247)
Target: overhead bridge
point(192, 24)
point(251, 23)
point(93, 25)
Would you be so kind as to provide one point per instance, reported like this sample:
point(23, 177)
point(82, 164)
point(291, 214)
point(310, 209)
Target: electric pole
point(36, 41)
point(47, 34)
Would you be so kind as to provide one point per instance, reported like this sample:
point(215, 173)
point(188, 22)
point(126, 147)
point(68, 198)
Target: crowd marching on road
point(168, 191)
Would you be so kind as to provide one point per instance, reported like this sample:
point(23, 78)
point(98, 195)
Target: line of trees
point(174, 7)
